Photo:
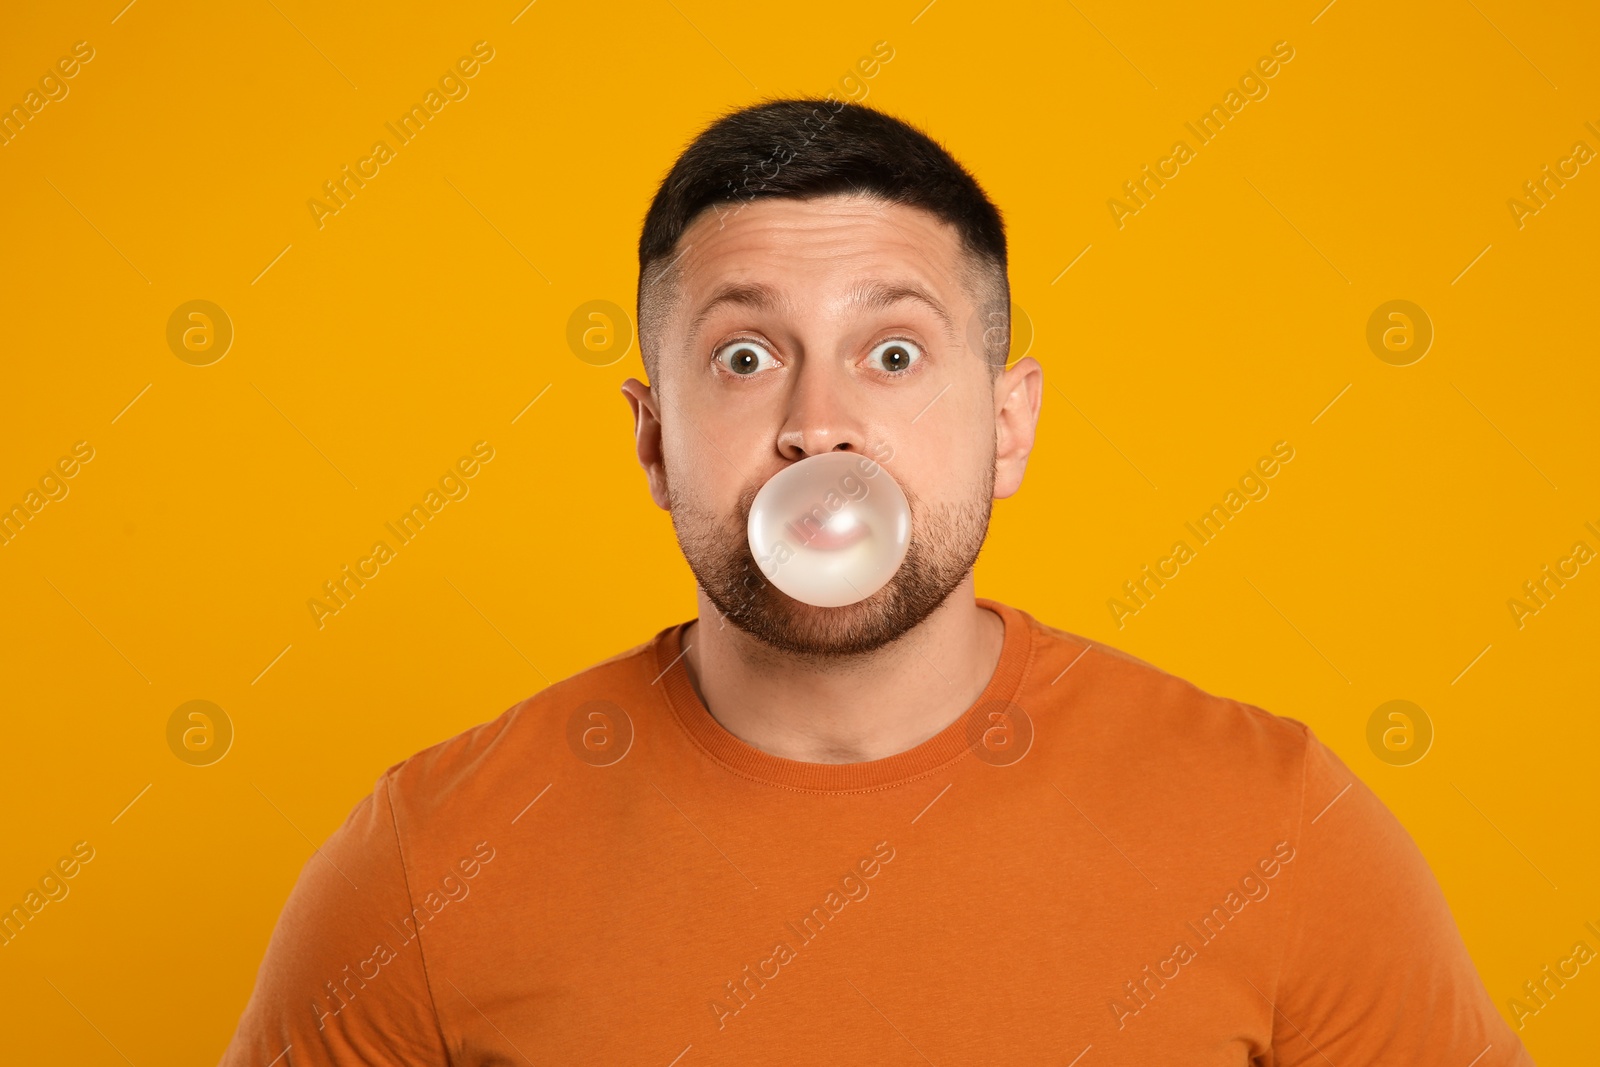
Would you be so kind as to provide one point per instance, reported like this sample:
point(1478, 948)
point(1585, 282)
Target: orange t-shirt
point(1097, 863)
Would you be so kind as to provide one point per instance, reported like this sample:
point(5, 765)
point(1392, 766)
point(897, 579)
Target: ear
point(647, 438)
point(1018, 392)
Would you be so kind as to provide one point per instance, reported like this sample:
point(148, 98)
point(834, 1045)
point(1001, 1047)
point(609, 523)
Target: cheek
point(701, 477)
point(681, 450)
point(953, 454)
point(731, 435)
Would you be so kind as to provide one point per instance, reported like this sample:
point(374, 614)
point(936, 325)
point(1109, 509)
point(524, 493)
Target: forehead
point(818, 245)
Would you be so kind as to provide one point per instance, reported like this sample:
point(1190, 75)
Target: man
point(921, 828)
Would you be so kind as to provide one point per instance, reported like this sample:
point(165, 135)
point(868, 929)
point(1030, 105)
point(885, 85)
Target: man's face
point(794, 332)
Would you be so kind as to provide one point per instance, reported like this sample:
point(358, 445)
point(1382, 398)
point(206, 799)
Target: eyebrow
point(755, 295)
point(759, 296)
point(887, 294)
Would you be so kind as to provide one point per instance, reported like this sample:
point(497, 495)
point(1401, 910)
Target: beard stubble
point(945, 542)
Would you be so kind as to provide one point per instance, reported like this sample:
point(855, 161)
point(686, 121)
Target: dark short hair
point(808, 147)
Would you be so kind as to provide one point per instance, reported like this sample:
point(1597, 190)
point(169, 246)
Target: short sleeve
point(343, 980)
point(1375, 970)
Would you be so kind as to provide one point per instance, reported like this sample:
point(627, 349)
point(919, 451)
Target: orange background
point(371, 353)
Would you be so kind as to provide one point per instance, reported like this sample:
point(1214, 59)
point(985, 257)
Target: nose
point(821, 415)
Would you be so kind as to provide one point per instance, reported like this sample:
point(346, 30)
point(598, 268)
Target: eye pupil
point(895, 357)
point(745, 359)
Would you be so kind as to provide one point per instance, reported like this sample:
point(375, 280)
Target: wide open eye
point(895, 356)
point(743, 358)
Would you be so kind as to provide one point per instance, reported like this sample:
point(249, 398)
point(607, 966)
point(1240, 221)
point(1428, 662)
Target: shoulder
point(491, 764)
point(1152, 729)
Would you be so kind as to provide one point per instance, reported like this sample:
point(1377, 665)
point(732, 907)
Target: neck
point(859, 708)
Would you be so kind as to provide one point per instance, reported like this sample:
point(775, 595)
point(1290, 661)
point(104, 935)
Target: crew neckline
point(748, 761)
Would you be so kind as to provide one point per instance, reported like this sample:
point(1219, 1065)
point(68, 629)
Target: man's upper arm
point(343, 979)
point(1375, 969)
